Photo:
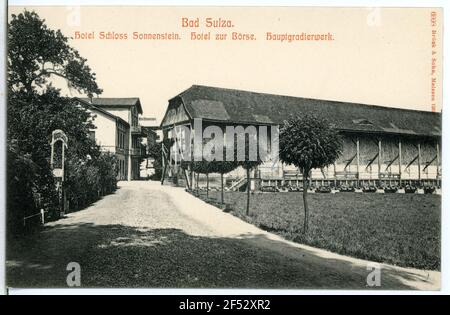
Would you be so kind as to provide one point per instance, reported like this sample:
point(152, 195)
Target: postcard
point(286, 148)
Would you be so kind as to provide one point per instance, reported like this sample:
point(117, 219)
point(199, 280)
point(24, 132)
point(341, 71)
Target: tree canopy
point(35, 109)
point(309, 142)
point(35, 53)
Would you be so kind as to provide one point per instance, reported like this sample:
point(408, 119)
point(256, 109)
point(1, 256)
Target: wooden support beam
point(375, 141)
point(175, 151)
point(392, 162)
point(186, 176)
point(438, 161)
point(163, 159)
point(379, 159)
point(419, 155)
point(357, 159)
point(412, 162)
point(429, 163)
point(371, 161)
point(163, 176)
point(400, 161)
point(191, 177)
point(323, 172)
point(349, 161)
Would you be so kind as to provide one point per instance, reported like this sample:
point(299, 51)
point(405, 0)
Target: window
point(121, 140)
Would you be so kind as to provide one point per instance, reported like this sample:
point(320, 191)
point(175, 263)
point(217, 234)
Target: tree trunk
point(191, 175)
point(305, 203)
point(221, 186)
point(196, 184)
point(197, 188)
point(248, 191)
point(207, 185)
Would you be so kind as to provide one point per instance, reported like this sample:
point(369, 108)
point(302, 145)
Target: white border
point(445, 241)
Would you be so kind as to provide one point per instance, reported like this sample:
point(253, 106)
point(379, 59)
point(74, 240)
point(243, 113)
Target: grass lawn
point(399, 229)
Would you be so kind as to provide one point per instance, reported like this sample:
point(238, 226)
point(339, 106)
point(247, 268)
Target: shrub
point(88, 180)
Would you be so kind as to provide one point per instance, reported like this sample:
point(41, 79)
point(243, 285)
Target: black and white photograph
point(290, 149)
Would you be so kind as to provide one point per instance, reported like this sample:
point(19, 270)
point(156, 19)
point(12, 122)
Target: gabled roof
point(110, 102)
point(243, 107)
point(100, 110)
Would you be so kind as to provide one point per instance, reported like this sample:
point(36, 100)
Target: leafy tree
point(21, 175)
point(167, 143)
point(35, 53)
point(309, 142)
point(30, 124)
point(155, 152)
point(35, 109)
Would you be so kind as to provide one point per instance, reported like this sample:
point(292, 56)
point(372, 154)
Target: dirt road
point(151, 236)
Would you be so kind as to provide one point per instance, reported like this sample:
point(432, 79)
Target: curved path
point(151, 236)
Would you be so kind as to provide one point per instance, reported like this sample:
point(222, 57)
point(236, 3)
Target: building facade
point(381, 145)
point(117, 130)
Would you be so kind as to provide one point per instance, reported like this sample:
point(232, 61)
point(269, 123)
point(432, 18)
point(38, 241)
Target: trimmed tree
point(249, 163)
point(223, 167)
point(202, 167)
point(309, 142)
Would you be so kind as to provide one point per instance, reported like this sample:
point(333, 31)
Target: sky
point(376, 56)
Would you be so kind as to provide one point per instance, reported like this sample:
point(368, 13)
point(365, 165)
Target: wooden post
point(164, 163)
point(438, 160)
point(357, 160)
point(197, 181)
point(379, 162)
point(62, 163)
point(207, 185)
point(175, 153)
point(42, 217)
point(191, 176)
point(400, 162)
point(419, 160)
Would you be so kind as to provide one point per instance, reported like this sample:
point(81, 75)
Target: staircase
point(237, 185)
